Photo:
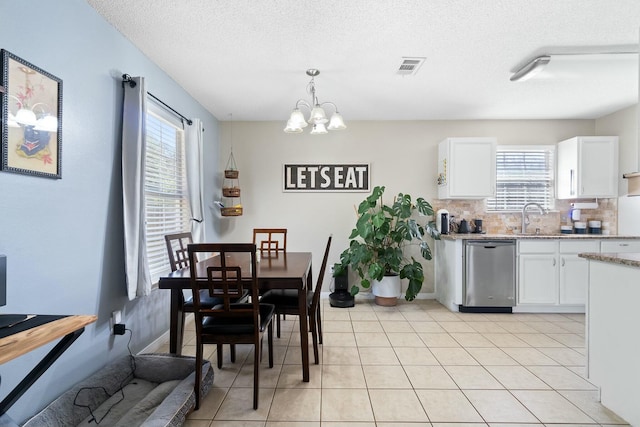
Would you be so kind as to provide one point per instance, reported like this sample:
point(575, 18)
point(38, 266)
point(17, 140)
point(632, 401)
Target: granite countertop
point(631, 259)
point(475, 236)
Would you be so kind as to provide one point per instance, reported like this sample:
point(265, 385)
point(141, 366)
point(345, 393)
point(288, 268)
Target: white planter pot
point(387, 290)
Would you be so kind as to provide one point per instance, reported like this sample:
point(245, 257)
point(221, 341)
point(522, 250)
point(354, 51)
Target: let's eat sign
point(322, 177)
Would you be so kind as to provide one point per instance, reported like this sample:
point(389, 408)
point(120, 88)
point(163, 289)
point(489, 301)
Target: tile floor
point(416, 364)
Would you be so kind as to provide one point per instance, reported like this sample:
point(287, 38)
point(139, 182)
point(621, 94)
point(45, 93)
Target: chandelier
point(318, 117)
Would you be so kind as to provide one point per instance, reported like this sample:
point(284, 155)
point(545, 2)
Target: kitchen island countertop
point(631, 259)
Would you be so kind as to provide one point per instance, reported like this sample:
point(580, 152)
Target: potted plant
point(378, 244)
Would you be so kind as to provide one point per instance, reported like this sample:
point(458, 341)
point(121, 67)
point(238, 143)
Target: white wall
point(624, 124)
point(402, 154)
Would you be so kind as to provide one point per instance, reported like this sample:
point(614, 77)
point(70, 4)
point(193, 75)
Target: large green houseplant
point(381, 238)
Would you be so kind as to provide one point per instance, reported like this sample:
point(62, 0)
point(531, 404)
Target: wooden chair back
point(226, 279)
point(177, 249)
point(270, 239)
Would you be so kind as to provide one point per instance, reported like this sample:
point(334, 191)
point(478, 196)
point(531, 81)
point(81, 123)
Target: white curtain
point(194, 144)
point(133, 164)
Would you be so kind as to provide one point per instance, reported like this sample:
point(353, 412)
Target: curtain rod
point(126, 78)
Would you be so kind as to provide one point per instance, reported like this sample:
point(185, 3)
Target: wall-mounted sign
point(351, 177)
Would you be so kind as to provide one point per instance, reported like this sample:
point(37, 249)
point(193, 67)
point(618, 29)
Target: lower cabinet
point(550, 273)
point(538, 279)
point(551, 276)
point(574, 271)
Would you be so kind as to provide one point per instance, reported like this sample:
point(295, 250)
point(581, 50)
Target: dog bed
point(150, 390)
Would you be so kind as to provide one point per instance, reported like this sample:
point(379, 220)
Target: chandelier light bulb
point(318, 115)
point(318, 129)
point(297, 118)
point(292, 128)
point(336, 122)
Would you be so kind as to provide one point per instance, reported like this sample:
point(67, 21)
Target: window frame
point(156, 252)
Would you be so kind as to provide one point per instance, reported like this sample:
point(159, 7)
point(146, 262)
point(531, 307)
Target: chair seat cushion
point(284, 298)
point(215, 325)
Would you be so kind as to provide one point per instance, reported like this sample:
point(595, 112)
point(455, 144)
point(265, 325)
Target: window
point(165, 189)
point(523, 175)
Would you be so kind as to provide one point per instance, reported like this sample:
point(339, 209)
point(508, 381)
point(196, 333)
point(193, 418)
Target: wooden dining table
point(276, 270)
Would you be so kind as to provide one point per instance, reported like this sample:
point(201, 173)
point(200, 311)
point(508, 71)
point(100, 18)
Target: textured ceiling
point(248, 58)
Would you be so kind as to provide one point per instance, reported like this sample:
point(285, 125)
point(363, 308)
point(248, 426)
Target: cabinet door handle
point(624, 244)
point(572, 190)
point(554, 262)
point(563, 262)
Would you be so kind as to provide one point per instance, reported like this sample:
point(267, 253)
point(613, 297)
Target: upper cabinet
point(587, 167)
point(467, 168)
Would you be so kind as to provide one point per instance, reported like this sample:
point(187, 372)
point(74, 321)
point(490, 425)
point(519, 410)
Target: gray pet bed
point(158, 394)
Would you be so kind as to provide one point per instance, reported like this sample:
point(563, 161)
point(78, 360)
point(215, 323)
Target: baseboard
point(158, 343)
point(369, 295)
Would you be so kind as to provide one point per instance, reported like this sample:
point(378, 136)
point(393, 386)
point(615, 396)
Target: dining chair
point(177, 245)
point(177, 249)
point(229, 322)
point(286, 302)
point(270, 239)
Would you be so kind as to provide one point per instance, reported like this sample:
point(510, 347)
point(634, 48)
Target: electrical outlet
point(116, 317)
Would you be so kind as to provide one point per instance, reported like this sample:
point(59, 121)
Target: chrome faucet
point(524, 210)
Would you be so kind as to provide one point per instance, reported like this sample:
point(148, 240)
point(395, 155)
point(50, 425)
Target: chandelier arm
point(304, 103)
point(335, 107)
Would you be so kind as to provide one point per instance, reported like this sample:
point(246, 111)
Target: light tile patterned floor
point(413, 365)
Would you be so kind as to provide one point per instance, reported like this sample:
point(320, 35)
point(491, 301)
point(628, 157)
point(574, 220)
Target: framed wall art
point(31, 119)
point(327, 177)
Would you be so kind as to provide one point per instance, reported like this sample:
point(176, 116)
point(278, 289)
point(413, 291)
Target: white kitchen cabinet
point(467, 168)
point(552, 274)
point(587, 167)
point(537, 272)
point(448, 272)
point(574, 271)
point(620, 246)
point(538, 279)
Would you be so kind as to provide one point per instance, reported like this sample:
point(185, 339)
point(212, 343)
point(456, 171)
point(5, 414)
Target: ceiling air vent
point(410, 66)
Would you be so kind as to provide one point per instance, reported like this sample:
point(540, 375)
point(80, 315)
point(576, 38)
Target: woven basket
point(231, 173)
point(231, 192)
point(232, 211)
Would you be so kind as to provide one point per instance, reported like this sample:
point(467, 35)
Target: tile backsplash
point(511, 222)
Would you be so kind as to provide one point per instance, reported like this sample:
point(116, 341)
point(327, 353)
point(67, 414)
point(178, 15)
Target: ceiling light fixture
point(531, 69)
point(318, 116)
point(570, 64)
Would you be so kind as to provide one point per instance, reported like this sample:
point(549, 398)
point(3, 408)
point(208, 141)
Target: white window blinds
point(523, 175)
point(166, 202)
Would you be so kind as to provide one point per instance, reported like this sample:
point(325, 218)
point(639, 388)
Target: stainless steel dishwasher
point(489, 276)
